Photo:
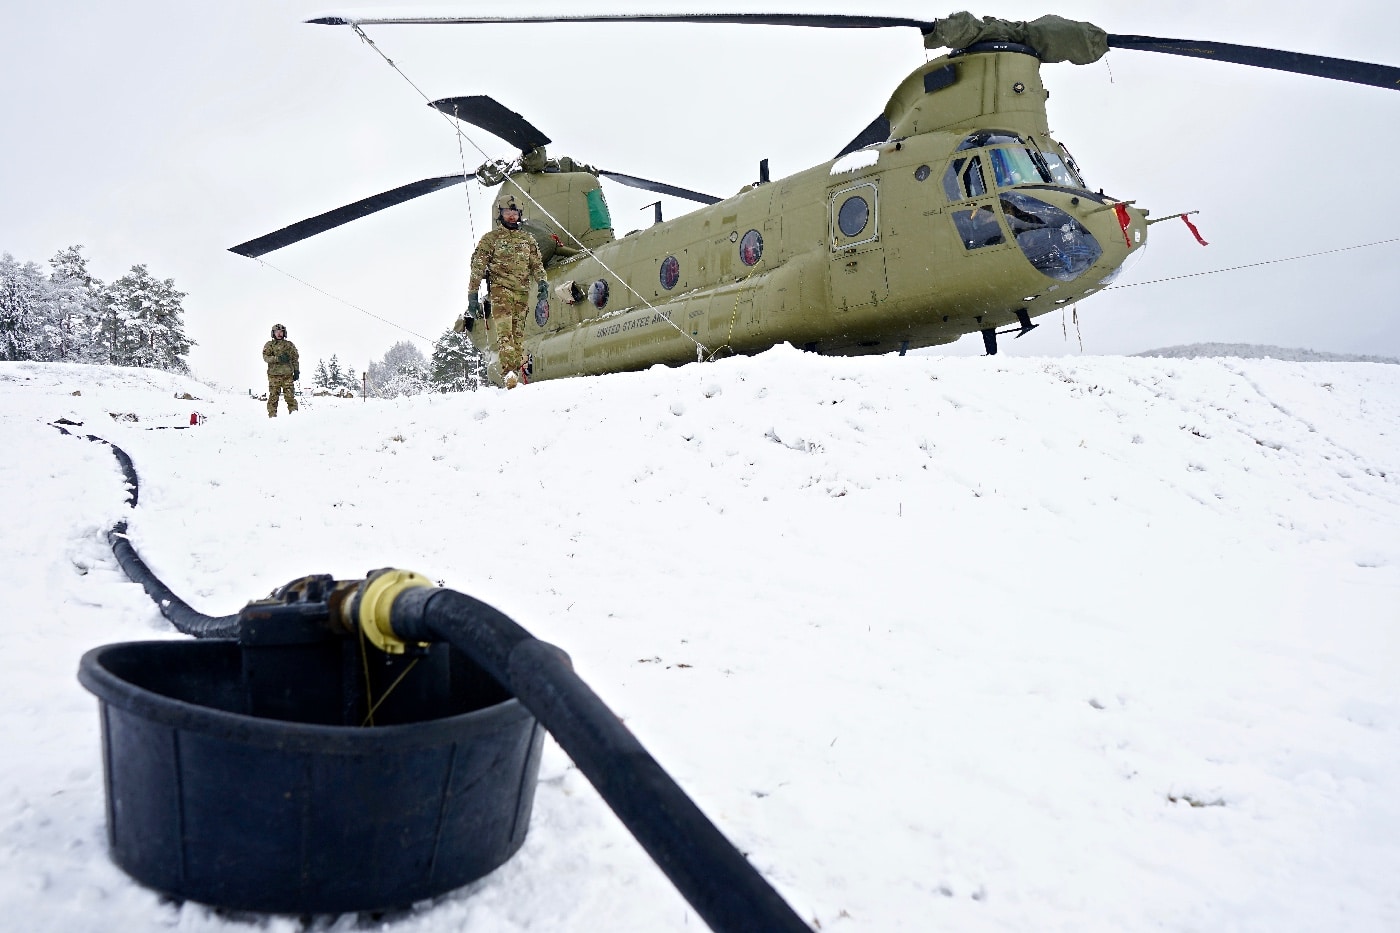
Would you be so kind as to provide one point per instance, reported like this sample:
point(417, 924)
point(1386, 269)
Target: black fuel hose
point(181, 615)
point(719, 882)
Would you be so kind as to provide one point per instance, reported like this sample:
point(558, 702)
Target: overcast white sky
point(165, 131)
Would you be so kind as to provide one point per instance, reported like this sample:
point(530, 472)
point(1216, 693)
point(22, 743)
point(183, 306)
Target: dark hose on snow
point(717, 880)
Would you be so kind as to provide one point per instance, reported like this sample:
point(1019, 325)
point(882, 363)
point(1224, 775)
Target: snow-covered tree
point(456, 366)
point(143, 323)
point(321, 379)
point(75, 312)
point(24, 301)
point(403, 371)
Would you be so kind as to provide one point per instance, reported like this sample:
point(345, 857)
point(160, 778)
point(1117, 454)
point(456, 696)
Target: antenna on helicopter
point(657, 206)
point(763, 171)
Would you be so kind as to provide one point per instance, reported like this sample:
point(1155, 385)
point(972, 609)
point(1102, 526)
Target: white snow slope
point(939, 643)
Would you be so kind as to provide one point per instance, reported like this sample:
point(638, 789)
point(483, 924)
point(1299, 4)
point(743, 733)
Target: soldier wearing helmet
point(509, 260)
point(283, 368)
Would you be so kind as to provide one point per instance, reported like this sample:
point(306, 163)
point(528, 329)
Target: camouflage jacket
point(511, 261)
point(281, 357)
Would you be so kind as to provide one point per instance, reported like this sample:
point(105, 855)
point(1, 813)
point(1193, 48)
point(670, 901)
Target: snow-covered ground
point(940, 643)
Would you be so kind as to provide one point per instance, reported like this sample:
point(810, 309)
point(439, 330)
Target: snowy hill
point(939, 643)
point(1255, 351)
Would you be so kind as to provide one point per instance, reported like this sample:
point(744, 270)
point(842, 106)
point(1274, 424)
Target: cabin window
point(922, 173)
point(542, 312)
point(670, 272)
point(978, 228)
point(751, 248)
point(853, 215)
point(1015, 166)
point(598, 293)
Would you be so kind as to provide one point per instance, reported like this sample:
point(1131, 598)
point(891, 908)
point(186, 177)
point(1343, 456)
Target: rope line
point(1252, 265)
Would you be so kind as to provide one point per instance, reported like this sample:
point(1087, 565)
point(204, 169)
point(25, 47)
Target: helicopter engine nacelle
point(565, 211)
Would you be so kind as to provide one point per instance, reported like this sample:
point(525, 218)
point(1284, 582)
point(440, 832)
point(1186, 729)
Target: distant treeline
point(455, 366)
point(66, 315)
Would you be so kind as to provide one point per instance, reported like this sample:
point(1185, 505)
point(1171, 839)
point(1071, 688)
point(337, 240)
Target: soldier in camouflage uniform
point(509, 260)
point(283, 368)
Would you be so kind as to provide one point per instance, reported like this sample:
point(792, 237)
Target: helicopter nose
point(1051, 240)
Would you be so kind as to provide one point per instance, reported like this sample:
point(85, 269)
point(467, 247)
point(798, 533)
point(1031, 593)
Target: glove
point(470, 322)
point(543, 291)
point(284, 357)
point(473, 306)
point(296, 376)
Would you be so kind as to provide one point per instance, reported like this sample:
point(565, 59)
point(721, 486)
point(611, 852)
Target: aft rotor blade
point(343, 215)
point(660, 187)
point(820, 20)
point(1318, 66)
point(495, 118)
point(877, 132)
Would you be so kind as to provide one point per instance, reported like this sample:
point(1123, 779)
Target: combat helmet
point(507, 202)
point(276, 328)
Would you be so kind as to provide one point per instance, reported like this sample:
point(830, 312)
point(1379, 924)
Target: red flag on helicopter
point(1124, 221)
point(1194, 232)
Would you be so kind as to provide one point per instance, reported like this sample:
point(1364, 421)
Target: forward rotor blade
point(821, 20)
point(660, 187)
point(495, 118)
point(343, 215)
point(1318, 66)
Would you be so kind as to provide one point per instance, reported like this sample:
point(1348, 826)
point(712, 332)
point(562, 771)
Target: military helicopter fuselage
point(953, 213)
point(968, 218)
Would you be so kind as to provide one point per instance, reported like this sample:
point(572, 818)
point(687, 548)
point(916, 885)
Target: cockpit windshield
point(1063, 171)
point(1015, 165)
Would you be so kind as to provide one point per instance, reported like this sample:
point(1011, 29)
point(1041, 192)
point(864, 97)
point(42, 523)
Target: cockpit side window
point(964, 179)
point(973, 183)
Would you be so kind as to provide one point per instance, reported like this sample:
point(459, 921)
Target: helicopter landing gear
point(989, 335)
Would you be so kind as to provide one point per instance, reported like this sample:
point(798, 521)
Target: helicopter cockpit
point(1052, 241)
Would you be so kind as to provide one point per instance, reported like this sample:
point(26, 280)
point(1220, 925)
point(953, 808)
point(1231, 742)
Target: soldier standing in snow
point(283, 368)
point(510, 262)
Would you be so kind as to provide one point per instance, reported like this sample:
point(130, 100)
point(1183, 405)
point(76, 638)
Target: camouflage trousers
point(508, 322)
point(280, 386)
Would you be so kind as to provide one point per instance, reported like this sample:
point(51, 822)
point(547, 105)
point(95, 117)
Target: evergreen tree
point(75, 314)
point(350, 380)
point(322, 379)
point(24, 301)
point(456, 366)
point(143, 324)
point(333, 373)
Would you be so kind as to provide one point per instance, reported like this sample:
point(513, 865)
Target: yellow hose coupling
point(376, 602)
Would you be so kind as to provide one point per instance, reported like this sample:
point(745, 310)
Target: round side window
point(751, 248)
point(922, 172)
point(542, 312)
point(853, 216)
point(598, 293)
point(670, 272)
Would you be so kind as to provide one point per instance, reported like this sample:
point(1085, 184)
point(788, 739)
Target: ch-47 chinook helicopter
point(953, 212)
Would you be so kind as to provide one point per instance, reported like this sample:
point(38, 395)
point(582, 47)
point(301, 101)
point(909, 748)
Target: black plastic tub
point(243, 778)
